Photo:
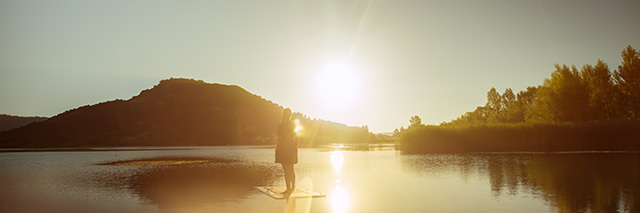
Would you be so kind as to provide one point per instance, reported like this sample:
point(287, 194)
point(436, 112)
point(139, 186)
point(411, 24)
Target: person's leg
point(287, 177)
point(292, 177)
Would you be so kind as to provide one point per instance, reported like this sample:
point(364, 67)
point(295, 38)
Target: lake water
point(374, 179)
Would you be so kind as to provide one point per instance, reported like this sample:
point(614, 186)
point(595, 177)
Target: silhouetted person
point(287, 150)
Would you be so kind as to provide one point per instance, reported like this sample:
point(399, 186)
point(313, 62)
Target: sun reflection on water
point(337, 159)
point(339, 198)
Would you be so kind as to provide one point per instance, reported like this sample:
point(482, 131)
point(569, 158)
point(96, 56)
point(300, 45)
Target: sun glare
point(299, 128)
point(340, 200)
point(337, 159)
point(337, 85)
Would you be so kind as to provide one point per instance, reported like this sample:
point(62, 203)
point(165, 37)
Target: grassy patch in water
point(166, 160)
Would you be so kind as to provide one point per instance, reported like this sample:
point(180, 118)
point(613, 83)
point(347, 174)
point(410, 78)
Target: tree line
point(592, 93)
point(587, 109)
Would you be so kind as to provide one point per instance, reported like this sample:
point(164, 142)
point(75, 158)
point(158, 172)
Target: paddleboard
point(276, 192)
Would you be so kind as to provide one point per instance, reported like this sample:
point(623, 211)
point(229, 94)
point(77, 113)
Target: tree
point(477, 117)
point(528, 96)
point(601, 91)
point(415, 121)
point(563, 97)
point(627, 77)
point(507, 98)
point(494, 100)
point(513, 111)
point(527, 99)
point(493, 106)
point(396, 132)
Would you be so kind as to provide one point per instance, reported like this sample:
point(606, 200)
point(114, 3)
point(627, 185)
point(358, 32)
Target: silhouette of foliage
point(415, 121)
point(596, 136)
point(593, 93)
point(627, 78)
point(578, 106)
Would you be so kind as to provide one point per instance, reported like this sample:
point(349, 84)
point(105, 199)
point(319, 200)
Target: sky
point(434, 59)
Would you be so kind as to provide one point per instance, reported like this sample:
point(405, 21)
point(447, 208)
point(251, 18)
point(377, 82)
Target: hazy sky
point(435, 59)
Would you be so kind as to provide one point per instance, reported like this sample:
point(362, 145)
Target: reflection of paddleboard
point(276, 192)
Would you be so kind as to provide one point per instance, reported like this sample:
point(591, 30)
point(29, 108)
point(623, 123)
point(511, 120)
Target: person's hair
point(286, 114)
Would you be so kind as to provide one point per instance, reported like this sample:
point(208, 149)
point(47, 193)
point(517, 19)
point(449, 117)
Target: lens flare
point(299, 128)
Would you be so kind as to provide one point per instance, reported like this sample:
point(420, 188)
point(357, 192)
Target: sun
point(338, 84)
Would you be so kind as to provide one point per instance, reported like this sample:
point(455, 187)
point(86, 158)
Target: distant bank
point(597, 136)
point(591, 109)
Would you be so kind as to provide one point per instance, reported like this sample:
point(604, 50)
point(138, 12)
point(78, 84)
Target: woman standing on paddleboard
point(287, 149)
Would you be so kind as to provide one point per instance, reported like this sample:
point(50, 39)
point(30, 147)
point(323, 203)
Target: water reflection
point(359, 147)
point(339, 197)
point(337, 159)
point(340, 200)
point(290, 206)
point(187, 185)
point(585, 182)
point(368, 181)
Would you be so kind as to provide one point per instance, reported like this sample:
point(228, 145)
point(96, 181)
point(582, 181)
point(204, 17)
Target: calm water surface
point(370, 180)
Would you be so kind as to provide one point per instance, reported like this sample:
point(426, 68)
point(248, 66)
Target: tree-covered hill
point(176, 112)
point(8, 122)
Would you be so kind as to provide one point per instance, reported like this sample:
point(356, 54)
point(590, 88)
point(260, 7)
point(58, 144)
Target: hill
point(176, 112)
point(8, 122)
